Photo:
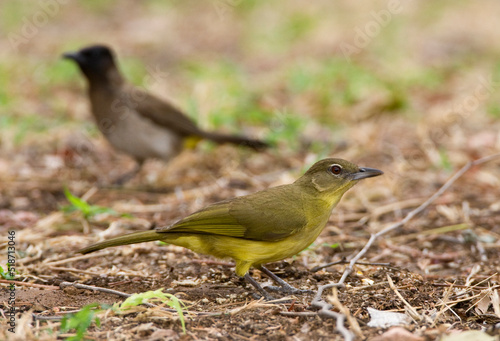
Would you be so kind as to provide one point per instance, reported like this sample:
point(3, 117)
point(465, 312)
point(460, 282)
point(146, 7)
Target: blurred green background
point(414, 81)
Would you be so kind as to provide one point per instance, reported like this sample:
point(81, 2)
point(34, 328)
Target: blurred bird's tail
point(240, 140)
point(131, 238)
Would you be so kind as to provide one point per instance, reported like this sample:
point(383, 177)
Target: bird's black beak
point(76, 56)
point(365, 172)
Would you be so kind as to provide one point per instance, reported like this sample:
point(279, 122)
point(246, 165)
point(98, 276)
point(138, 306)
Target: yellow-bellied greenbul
point(262, 227)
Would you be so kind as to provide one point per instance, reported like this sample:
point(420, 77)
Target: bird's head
point(96, 62)
point(333, 177)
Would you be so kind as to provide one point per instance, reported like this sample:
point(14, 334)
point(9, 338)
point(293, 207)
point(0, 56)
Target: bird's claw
point(266, 297)
point(289, 290)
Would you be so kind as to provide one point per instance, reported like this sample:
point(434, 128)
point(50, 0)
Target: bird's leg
point(124, 178)
point(284, 286)
point(257, 286)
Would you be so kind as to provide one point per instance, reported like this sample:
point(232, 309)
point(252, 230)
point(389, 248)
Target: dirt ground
point(413, 93)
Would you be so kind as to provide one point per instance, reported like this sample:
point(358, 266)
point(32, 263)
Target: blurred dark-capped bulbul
point(134, 121)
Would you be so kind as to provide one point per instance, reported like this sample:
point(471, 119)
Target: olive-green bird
point(262, 227)
point(136, 122)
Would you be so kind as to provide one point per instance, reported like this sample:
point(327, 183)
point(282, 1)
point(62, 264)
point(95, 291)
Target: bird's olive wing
point(213, 219)
point(165, 114)
point(270, 215)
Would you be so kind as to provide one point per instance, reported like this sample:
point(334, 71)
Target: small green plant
point(81, 321)
point(445, 160)
point(333, 246)
point(286, 128)
point(169, 299)
point(7, 274)
point(88, 211)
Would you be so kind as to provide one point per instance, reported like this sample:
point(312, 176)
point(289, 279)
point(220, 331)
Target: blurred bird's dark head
point(97, 62)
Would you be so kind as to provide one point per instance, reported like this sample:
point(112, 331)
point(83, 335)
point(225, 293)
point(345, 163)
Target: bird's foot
point(124, 178)
point(266, 297)
point(263, 294)
point(289, 290)
point(284, 287)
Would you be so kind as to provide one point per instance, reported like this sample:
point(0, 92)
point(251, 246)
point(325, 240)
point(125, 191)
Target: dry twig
point(26, 284)
point(412, 311)
point(72, 259)
point(94, 288)
point(343, 261)
point(334, 300)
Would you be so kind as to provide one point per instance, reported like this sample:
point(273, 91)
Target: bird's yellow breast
point(249, 253)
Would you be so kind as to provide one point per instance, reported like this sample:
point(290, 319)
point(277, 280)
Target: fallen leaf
point(384, 319)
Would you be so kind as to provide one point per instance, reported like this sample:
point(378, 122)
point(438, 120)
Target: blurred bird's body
point(134, 121)
point(116, 115)
point(262, 227)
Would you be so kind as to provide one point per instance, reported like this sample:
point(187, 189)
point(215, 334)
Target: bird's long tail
point(241, 140)
point(131, 238)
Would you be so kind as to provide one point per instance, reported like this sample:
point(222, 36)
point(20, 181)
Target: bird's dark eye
point(335, 169)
